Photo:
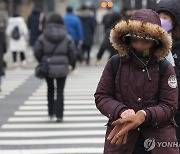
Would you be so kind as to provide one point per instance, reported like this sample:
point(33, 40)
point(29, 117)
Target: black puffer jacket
point(55, 39)
point(173, 7)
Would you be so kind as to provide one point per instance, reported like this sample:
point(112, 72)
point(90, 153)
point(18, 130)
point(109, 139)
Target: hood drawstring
point(145, 65)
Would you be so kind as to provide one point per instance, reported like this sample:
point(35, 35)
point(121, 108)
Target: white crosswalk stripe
point(30, 131)
point(12, 80)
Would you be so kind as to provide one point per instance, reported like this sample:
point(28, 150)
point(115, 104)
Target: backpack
point(115, 62)
point(15, 33)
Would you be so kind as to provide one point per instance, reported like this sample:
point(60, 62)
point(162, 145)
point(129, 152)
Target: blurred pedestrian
point(89, 25)
point(106, 45)
point(36, 23)
point(74, 28)
point(2, 52)
point(3, 24)
point(106, 18)
point(169, 13)
point(138, 89)
point(126, 13)
point(17, 34)
point(57, 48)
point(3, 15)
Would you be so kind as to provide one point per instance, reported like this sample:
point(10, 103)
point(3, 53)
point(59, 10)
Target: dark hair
point(176, 29)
point(56, 19)
point(84, 7)
point(16, 15)
point(69, 9)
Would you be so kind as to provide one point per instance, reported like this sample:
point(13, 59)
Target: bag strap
point(115, 61)
point(52, 53)
point(163, 65)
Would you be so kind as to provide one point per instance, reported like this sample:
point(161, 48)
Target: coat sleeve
point(71, 51)
point(105, 95)
point(38, 50)
point(80, 30)
point(168, 98)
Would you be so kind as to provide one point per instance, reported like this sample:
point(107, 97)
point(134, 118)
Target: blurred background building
point(24, 7)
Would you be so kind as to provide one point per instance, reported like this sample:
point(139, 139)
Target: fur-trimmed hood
point(144, 23)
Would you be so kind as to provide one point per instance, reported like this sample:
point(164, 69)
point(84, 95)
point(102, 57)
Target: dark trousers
point(86, 50)
point(56, 106)
point(139, 147)
point(22, 56)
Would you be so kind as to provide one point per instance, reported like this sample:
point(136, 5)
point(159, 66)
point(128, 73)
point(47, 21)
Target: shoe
point(59, 120)
point(51, 117)
point(98, 62)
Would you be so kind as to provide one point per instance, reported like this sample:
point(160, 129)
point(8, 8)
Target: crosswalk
point(30, 131)
point(12, 80)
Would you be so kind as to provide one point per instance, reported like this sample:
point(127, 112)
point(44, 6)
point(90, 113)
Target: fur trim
point(143, 29)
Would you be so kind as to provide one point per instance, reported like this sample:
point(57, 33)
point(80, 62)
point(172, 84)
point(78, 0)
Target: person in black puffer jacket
point(55, 40)
point(169, 12)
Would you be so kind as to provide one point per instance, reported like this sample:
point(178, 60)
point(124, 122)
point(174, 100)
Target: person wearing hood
point(56, 46)
point(89, 25)
point(169, 13)
point(139, 100)
point(36, 23)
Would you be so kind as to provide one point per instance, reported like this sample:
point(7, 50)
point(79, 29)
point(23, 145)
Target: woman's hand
point(131, 122)
point(113, 135)
point(127, 113)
